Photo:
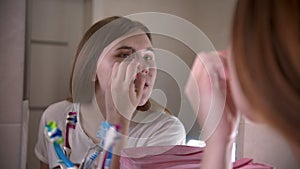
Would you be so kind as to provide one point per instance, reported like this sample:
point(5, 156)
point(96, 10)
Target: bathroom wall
point(13, 104)
point(55, 30)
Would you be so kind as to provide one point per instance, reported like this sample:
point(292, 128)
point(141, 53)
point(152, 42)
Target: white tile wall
point(12, 47)
point(56, 28)
point(50, 68)
point(12, 59)
point(10, 145)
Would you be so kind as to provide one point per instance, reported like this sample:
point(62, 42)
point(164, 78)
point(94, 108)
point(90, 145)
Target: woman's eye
point(124, 55)
point(148, 57)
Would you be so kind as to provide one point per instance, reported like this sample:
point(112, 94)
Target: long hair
point(266, 54)
point(93, 42)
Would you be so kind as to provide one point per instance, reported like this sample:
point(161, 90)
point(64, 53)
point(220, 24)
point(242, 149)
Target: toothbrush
point(90, 157)
point(70, 124)
point(55, 136)
point(109, 134)
point(102, 133)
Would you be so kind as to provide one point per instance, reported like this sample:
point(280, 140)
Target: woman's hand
point(209, 94)
point(124, 92)
point(122, 97)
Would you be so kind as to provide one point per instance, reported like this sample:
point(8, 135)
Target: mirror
point(57, 26)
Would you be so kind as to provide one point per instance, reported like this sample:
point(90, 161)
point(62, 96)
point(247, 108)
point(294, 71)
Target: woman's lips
point(146, 85)
point(136, 84)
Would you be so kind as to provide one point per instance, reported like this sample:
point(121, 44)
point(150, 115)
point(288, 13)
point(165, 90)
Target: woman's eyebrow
point(127, 48)
point(133, 50)
point(150, 49)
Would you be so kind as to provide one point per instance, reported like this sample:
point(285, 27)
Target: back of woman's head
point(266, 55)
point(93, 42)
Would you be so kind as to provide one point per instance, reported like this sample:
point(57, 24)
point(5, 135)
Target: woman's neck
point(91, 115)
point(100, 100)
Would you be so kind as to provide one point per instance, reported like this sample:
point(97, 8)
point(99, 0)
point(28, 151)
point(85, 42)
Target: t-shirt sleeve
point(171, 132)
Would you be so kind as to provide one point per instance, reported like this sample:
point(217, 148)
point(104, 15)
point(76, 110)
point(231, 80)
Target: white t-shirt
point(149, 128)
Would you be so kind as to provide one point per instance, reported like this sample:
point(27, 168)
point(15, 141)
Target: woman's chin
point(144, 99)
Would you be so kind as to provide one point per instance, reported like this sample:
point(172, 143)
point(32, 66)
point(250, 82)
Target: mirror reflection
point(157, 66)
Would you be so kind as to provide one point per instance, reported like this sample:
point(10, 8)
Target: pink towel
point(174, 157)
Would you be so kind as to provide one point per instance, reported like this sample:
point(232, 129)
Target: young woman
point(262, 74)
point(112, 79)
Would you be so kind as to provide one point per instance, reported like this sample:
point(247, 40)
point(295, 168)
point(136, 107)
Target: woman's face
point(134, 46)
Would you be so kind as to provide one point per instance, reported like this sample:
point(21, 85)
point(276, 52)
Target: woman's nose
point(145, 71)
point(143, 65)
point(143, 68)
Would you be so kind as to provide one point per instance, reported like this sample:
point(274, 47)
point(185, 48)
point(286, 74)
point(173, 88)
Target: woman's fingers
point(131, 71)
point(207, 91)
point(135, 81)
point(127, 71)
point(140, 83)
point(114, 71)
point(122, 71)
point(126, 87)
point(192, 89)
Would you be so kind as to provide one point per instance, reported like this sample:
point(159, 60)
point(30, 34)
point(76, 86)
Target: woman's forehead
point(135, 41)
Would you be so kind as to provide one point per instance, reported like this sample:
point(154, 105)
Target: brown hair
point(266, 54)
point(104, 31)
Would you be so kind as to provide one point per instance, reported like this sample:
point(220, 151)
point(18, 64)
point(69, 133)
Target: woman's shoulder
point(57, 110)
point(62, 105)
